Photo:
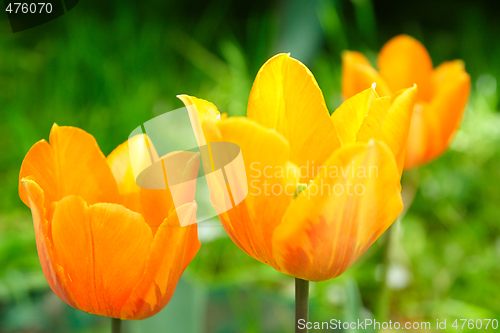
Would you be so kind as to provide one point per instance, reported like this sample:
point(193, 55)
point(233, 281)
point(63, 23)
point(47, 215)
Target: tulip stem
point(116, 325)
point(301, 304)
point(393, 247)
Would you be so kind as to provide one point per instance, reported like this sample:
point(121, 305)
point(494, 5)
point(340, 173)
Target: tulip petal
point(153, 204)
point(452, 93)
point(351, 114)
point(424, 137)
point(103, 250)
point(403, 61)
point(358, 74)
point(204, 109)
point(327, 228)
point(390, 124)
point(182, 168)
point(121, 167)
point(433, 124)
point(72, 164)
point(200, 111)
point(265, 152)
point(172, 250)
point(286, 97)
point(53, 273)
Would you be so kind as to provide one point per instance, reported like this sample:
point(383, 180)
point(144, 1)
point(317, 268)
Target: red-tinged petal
point(358, 75)
point(172, 250)
point(103, 250)
point(265, 153)
point(403, 61)
point(390, 124)
point(72, 164)
point(52, 271)
point(286, 97)
point(351, 114)
point(325, 230)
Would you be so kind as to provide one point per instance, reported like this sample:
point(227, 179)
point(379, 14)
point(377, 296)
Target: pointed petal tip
point(54, 128)
point(25, 181)
point(186, 99)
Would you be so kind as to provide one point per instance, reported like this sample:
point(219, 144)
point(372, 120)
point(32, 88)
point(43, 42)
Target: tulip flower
point(106, 246)
point(443, 92)
point(299, 216)
point(290, 145)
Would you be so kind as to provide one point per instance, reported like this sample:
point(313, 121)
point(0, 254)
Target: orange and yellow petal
point(389, 121)
point(332, 223)
point(358, 75)
point(171, 251)
point(424, 137)
point(286, 97)
point(452, 94)
point(433, 124)
point(71, 164)
point(102, 249)
point(403, 61)
point(271, 180)
point(52, 271)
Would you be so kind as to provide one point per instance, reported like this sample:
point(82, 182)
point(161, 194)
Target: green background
point(108, 66)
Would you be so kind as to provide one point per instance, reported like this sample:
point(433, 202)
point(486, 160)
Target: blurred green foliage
point(109, 66)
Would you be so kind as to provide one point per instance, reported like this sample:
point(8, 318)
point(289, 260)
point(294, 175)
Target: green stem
point(116, 325)
point(410, 185)
point(301, 303)
point(385, 295)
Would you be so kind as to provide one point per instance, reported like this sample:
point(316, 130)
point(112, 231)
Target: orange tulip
point(105, 245)
point(443, 92)
point(291, 147)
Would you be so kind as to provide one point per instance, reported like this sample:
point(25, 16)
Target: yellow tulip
point(291, 147)
point(443, 92)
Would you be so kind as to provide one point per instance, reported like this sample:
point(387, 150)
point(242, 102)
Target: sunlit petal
point(390, 124)
point(331, 224)
point(286, 97)
point(71, 164)
point(265, 153)
point(351, 114)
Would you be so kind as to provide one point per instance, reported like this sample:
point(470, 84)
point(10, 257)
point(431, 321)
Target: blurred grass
point(107, 67)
